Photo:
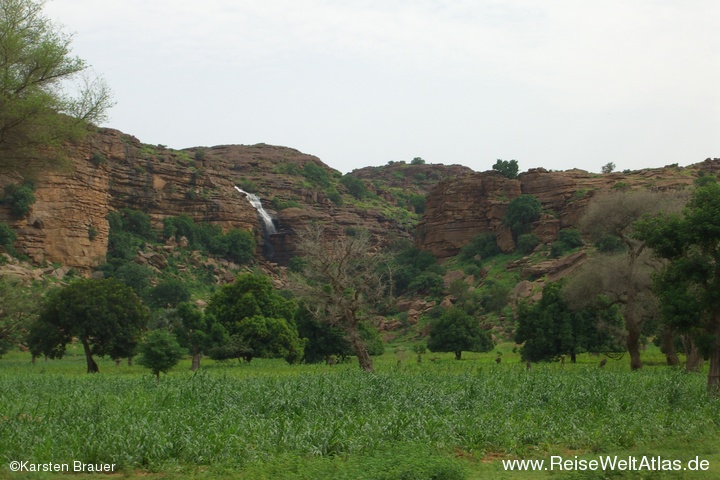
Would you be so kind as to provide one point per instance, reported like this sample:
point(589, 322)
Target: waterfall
point(266, 218)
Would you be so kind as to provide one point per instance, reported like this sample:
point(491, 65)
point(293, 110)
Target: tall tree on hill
point(343, 281)
point(623, 277)
point(36, 116)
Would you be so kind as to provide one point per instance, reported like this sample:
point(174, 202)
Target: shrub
point(570, 237)
point(522, 211)
point(7, 236)
point(98, 159)
point(335, 197)
point(316, 174)
point(417, 202)
point(527, 242)
point(92, 232)
point(355, 186)
point(609, 243)
point(483, 246)
point(200, 155)
point(20, 198)
point(417, 161)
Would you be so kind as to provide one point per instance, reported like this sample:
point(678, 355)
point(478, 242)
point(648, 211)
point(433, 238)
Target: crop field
point(442, 419)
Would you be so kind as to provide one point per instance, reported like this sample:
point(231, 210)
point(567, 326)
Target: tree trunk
point(668, 346)
point(633, 343)
point(713, 382)
point(573, 358)
point(458, 355)
point(195, 362)
point(361, 352)
point(117, 362)
point(693, 359)
point(130, 361)
point(91, 365)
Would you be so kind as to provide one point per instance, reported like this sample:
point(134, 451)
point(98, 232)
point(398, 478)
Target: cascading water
point(268, 225)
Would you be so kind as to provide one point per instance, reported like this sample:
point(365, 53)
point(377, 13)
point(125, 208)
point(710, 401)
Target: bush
point(417, 202)
point(20, 199)
point(316, 174)
point(521, 213)
point(609, 243)
point(168, 294)
point(483, 246)
point(7, 236)
point(527, 242)
point(571, 238)
point(417, 161)
point(98, 159)
point(355, 186)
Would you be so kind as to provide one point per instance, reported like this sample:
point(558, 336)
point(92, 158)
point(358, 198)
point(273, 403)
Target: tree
point(608, 167)
point(456, 331)
point(18, 309)
point(168, 294)
point(508, 168)
point(624, 278)
point(549, 328)
point(343, 281)
point(160, 351)
point(35, 113)
point(257, 317)
point(417, 161)
point(197, 332)
point(691, 244)
point(105, 315)
point(521, 213)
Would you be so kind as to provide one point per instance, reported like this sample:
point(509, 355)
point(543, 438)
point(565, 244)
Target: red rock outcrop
point(461, 208)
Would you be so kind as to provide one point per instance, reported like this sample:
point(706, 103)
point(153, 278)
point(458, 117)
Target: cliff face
point(460, 209)
point(112, 170)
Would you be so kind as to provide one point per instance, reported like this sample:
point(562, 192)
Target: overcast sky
point(554, 83)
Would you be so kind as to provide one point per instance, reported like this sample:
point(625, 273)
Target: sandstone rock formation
point(458, 209)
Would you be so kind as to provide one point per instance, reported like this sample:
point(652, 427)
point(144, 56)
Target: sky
point(558, 84)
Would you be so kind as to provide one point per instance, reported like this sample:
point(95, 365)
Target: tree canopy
point(508, 168)
point(691, 244)
point(257, 317)
point(105, 315)
point(456, 331)
point(35, 67)
point(550, 329)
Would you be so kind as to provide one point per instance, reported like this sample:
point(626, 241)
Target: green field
point(441, 419)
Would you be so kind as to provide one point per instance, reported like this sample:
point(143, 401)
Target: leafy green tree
point(18, 309)
point(508, 168)
point(135, 276)
point(417, 161)
point(105, 315)
point(456, 331)
point(691, 244)
point(550, 328)
point(34, 67)
point(262, 320)
point(521, 213)
point(159, 352)
point(168, 294)
point(608, 167)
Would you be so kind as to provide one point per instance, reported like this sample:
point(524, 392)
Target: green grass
point(267, 419)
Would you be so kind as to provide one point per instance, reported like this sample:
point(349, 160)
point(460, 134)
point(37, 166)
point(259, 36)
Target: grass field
point(441, 419)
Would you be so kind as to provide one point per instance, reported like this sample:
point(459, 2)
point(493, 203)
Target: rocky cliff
point(458, 209)
point(111, 170)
